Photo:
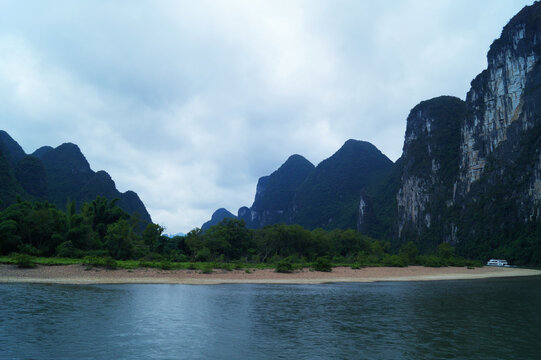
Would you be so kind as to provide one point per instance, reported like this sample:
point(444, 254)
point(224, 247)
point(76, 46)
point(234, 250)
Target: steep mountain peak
point(12, 150)
point(217, 217)
point(67, 155)
point(297, 160)
point(39, 153)
point(354, 147)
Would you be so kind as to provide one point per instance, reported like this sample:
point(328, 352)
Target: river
point(473, 319)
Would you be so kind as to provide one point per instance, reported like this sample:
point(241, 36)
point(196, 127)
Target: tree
point(409, 252)
point(119, 239)
point(151, 237)
point(445, 250)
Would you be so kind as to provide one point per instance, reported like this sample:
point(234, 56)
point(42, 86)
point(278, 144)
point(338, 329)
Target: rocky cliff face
point(430, 165)
point(489, 193)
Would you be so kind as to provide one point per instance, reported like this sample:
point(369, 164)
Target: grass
point(198, 266)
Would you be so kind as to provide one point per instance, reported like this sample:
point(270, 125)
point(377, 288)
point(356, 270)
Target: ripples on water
point(482, 319)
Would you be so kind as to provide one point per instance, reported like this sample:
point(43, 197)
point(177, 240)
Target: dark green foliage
point(24, 261)
point(42, 230)
point(409, 252)
point(30, 174)
point(166, 265)
point(66, 249)
point(119, 239)
point(394, 261)
point(329, 197)
point(322, 264)
point(276, 192)
point(207, 269)
point(56, 175)
point(284, 266)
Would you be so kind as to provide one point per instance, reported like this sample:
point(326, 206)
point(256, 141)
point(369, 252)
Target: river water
point(476, 319)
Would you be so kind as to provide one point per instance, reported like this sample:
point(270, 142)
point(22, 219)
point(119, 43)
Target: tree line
point(101, 228)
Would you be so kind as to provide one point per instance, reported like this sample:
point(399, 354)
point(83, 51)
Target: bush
point(166, 265)
point(322, 264)
point(432, 261)
point(394, 261)
point(28, 249)
point(284, 266)
point(207, 269)
point(237, 265)
point(24, 261)
point(66, 250)
point(110, 263)
point(106, 262)
point(93, 261)
point(203, 255)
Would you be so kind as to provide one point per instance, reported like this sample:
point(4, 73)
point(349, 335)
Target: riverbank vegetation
point(102, 234)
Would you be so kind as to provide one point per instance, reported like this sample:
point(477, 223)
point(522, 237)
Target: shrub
point(28, 249)
point(166, 265)
point(207, 269)
point(106, 262)
point(432, 261)
point(24, 261)
point(237, 265)
point(394, 261)
point(110, 263)
point(322, 264)
point(284, 266)
point(93, 261)
point(66, 249)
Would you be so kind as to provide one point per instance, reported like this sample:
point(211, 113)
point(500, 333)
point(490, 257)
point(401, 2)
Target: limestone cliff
point(485, 193)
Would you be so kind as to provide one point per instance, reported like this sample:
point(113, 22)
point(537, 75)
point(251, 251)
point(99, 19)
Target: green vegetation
point(284, 266)
point(322, 264)
point(102, 235)
point(24, 261)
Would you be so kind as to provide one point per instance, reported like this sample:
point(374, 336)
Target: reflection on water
point(481, 319)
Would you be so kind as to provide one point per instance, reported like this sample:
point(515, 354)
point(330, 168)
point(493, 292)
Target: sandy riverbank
point(79, 274)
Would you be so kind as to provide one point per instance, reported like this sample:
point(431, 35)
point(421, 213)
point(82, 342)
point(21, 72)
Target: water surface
point(478, 319)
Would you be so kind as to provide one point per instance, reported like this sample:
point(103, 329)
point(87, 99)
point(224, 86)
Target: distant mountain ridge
point(56, 175)
point(469, 174)
point(325, 196)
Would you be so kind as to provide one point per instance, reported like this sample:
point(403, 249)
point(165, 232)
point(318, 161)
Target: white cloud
point(188, 103)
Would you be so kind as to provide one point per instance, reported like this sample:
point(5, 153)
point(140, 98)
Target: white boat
point(497, 262)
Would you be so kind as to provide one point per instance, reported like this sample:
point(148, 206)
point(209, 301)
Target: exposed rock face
point(496, 98)
point(489, 194)
point(430, 164)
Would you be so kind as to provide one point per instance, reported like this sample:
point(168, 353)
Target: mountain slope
point(331, 195)
point(486, 197)
point(217, 217)
point(56, 175)
point(275, 193)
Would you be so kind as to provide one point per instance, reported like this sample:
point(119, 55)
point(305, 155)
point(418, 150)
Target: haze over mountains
point(470, 172)
point(57, 175)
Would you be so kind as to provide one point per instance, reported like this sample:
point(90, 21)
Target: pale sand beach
point(79, 274)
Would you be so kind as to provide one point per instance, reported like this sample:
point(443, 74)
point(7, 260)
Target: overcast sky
point(188, 103)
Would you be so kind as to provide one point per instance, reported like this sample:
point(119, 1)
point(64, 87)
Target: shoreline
point(79, 274)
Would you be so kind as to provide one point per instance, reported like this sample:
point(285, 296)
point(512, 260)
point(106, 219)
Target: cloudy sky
point(188, 103)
